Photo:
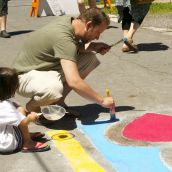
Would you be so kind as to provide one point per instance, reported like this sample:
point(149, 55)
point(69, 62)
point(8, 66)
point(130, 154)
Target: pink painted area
point(150, 127)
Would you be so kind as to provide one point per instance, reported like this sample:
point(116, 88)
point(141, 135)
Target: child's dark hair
point(9, 82)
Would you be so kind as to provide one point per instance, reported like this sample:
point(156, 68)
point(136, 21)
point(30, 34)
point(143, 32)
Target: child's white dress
point(10, 118)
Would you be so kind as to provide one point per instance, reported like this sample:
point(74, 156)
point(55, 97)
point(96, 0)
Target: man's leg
point(3, 22)
point(43, 87)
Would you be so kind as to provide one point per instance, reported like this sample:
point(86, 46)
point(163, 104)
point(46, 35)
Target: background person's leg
point(92, 3)
point(129, 28)
point(81, 6)
point(3, 18)
point(133, 18)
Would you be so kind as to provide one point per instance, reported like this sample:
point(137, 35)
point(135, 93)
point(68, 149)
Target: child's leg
point(28, 143)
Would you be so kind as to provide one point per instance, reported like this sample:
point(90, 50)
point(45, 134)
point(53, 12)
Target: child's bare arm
point(20, 109)
point(30, 118)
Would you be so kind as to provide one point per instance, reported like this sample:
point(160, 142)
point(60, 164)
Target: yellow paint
point(73, 151)
point(107, 92)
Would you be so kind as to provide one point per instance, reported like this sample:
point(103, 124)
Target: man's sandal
point(39, 147)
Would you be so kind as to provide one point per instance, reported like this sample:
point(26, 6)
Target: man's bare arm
point(81, 87)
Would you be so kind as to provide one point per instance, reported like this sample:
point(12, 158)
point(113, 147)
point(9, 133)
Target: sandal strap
point(129, 43)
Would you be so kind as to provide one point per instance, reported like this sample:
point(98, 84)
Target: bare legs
point(133, 28)
point(81, 5)
point(3, 20)
point(3, 33)
point(28, 143)
point(129, 34)
point(34, 106)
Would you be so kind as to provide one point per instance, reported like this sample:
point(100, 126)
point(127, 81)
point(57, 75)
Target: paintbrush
point(112, 111)
point(116, 43)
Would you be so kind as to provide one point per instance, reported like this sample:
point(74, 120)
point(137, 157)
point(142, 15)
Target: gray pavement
point(141, 81)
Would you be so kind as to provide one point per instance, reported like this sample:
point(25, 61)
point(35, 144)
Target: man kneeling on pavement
point(56, 59)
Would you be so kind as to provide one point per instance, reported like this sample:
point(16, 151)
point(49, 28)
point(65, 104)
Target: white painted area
point(113, 18)
point(166, 31)
point(58, 7)
point(69, 6)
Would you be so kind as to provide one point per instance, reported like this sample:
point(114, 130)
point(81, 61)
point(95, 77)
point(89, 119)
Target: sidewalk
point(141, 82)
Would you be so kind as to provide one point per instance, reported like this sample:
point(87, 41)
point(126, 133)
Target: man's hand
point(108, 102)
point(101, 47)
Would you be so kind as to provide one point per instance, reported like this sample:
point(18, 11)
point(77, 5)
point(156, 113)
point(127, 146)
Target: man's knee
point(49, 95)
point(41, 86)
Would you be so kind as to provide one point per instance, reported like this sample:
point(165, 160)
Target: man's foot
point(4, 34)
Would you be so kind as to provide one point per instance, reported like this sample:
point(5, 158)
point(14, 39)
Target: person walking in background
point(132, 14)
point(81, 5)
point(3, 18)
point(14, 133)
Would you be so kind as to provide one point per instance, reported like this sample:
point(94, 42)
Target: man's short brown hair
point(95, 15)
point(9, 82)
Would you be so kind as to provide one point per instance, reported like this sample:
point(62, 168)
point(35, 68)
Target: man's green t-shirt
point(44, 48)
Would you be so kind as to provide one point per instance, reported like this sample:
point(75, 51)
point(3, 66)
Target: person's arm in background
point(81, 87)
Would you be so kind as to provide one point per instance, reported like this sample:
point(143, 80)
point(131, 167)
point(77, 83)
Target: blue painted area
point(124, 158)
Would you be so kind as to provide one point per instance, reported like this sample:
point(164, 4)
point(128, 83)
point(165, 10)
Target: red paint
point(150, 127)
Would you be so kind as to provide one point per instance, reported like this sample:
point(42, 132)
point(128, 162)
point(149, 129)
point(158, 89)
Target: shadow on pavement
point(112, 27)
point(68, 122)
point(158, 46)
point(15, 33)
point(88, 115)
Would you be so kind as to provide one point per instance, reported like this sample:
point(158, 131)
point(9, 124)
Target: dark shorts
point(19, 138)
point(3, 7)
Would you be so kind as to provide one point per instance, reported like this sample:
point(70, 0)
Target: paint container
point(52, 112)
point(112, 111)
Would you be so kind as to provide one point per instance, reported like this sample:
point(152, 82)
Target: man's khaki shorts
point(46, 87)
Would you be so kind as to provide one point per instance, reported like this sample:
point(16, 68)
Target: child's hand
point(22, 110)
point(32, 116)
